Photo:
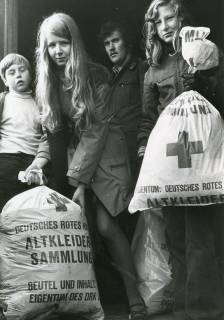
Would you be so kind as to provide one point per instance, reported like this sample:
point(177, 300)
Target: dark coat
point(126, 102)
point(166, 81)
point(100, 159)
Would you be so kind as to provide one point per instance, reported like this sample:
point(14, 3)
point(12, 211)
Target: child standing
point(22, 146)
point(191, 232)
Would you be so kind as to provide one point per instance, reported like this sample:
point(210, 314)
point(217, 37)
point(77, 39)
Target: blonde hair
point(153, 45)
point(75, 78)
point(10, 59)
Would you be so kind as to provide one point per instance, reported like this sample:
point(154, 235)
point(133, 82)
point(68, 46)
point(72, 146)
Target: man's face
point(18, 78)
point(116, 48)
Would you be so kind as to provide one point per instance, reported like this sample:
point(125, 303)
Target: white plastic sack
point(184, 158)
point(46, 261)
point(151, 258)
point(200, 53)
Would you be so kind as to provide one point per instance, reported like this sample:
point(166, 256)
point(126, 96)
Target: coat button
point(77, 168)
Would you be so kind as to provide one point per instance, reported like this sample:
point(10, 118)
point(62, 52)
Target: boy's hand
point(33, 174)
point(34, 177)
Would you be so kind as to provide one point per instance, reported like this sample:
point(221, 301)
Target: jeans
point(10, 165)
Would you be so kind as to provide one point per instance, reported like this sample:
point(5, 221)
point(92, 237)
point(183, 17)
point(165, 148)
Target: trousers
point(195, 239)
point(10, 165)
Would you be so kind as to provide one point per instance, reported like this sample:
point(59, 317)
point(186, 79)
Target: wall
point(89, 14)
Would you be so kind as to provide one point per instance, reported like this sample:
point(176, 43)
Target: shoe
point(138, 312)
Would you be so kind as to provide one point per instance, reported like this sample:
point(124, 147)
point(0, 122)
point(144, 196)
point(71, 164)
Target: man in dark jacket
point(126, 84)
point(125, 108)
point(125, 99)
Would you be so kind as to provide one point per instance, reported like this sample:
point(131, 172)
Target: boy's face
point(116, 48)
point(18, 78)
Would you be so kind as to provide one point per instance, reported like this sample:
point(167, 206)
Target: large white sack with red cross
point(184, 158)
point(46, 259)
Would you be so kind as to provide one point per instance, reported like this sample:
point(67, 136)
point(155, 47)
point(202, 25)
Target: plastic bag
point(183, 163)
point(46, 261)
point(151, 258)
point(200, 53)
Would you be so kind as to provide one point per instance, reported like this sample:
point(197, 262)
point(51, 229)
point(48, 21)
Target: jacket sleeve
point(43, 149)
point(149, 109)
point(90, 147)
point(87, 154)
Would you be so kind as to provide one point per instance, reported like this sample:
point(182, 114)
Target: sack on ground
point(151, 258)
point(46, 261)
point(199, 52)
point(183, 163)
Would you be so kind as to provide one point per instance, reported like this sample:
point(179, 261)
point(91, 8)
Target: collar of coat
point(131, 65)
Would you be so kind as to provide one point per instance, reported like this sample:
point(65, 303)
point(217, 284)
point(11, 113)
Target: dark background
point(89, 15)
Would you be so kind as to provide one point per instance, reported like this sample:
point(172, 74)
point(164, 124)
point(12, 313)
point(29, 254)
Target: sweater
point(20, 127)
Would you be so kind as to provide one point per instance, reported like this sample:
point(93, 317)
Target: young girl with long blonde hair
point(72, 93)
point(66, 83)
point(192, 233)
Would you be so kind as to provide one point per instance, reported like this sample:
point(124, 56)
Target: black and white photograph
point(111, 160)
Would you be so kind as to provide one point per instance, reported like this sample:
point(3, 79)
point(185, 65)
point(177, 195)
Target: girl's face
point(58, 49)
point(167, 23)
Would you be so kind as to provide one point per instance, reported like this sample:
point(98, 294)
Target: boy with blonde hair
point(22, 143)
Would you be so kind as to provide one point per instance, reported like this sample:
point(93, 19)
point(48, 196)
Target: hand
point(189, 81)
point(33, 174)
point(79, 196)
point(33, 177)
point(141, 152)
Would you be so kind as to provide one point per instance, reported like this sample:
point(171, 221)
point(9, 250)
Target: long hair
point(75, 77)
point(153, 45)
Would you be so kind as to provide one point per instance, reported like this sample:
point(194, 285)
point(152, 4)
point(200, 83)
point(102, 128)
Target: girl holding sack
point(193, 233)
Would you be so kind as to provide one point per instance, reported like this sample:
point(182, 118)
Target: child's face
point(167, 23)
point(58, 49)
point(18, 78)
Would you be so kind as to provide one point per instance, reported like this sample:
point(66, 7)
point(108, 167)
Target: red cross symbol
point(60, 202)
point(183, 149)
